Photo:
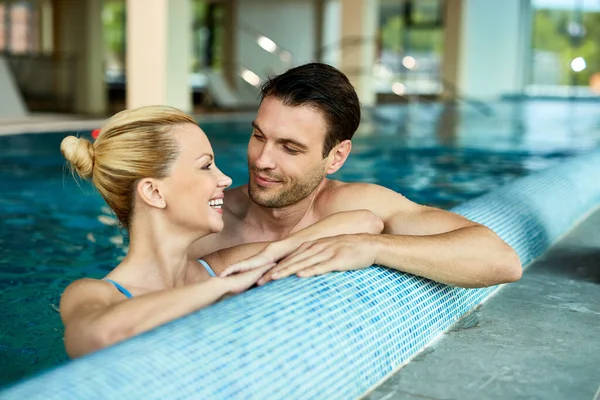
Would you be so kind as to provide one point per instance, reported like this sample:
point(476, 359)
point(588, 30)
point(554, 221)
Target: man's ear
point(149, 192)
point(338, 155)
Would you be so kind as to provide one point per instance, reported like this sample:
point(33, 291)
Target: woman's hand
point(264, 259)
point(284, 258)
point(243, 281)
point(260, 254)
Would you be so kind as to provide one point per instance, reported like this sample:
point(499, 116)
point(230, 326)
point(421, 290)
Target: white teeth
point(216, 203)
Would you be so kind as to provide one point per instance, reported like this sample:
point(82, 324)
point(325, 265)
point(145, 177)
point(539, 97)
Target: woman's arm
point(264, 253)
point(93, 319)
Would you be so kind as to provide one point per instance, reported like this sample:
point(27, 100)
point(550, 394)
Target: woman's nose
point(224, 181)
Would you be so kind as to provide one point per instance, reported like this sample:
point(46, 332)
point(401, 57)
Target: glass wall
point(411, 45)
point(208, 34)
point(565, 48)
point(114, 28)
point(18, 27)
point(3, 26)
point(208, 37)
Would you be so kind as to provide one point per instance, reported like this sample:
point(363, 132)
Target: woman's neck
point(158, 254)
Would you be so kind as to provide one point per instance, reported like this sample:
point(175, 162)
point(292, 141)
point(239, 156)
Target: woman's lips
point(219, 210)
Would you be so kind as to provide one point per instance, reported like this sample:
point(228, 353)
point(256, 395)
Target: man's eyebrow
point(301, 146)
point(295, 143)
point(206, 155)
point(255, 126)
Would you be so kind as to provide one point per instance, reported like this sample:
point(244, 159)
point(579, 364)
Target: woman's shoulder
point(86, 292)
point(86, 284)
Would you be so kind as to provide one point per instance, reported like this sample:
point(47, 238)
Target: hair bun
point(80, 154)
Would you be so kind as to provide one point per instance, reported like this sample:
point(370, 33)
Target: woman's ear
point(148, 190)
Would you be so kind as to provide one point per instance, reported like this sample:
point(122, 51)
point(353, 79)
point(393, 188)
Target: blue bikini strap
point(129, 295)
point(120, 288)
point(207, 268)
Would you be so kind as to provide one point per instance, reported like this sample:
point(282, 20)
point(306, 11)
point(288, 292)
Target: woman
point(155, 168)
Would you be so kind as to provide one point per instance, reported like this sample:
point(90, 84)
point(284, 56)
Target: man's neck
point(282, 221)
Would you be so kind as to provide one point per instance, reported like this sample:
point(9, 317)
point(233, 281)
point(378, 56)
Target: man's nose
point(265, 159)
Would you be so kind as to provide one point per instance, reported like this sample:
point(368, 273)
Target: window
point(208, 36)
point(3, 27)
point(411, 44)
point(18, 27)
point(113, 21)
point(565, 48)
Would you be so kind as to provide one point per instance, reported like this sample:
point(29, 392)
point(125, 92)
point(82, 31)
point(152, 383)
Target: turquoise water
point(54, 230)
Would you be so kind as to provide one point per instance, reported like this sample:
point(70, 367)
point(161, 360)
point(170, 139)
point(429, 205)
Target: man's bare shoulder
point(334, 191)
point(339, 196)
point(236, 201)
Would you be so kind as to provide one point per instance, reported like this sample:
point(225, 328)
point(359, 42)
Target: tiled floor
point(43, 123)
point(538, 338)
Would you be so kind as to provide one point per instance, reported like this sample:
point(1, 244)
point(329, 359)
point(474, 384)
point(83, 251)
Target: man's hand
point(341, 223)
point(338, 253)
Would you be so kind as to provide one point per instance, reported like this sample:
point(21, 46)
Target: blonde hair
point(132, 145)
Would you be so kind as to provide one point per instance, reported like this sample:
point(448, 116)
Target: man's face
point(285, 154)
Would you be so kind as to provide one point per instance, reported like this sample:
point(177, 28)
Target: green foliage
point(114, 28)
point(550, 34)
point(417, 40)
point(391, 34)
point(113, 19)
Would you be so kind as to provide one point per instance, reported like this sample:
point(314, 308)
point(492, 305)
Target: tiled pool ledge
point(330, 337)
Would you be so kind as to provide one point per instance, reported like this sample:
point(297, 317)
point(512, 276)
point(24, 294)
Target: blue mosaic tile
point(329, 337)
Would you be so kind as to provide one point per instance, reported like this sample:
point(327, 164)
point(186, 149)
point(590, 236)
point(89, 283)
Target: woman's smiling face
point(194, 189)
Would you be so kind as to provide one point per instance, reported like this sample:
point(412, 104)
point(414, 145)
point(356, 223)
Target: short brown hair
point(326, 89)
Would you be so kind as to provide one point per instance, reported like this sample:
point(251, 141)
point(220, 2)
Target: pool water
point(54, 230)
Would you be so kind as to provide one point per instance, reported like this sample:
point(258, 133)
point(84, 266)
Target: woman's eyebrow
point(205, 155)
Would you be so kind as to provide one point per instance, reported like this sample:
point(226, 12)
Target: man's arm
point(347, 222)
point(424, 241)
point(447, 248)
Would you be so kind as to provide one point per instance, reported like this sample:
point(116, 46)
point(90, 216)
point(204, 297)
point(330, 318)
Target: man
point(301, 134)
